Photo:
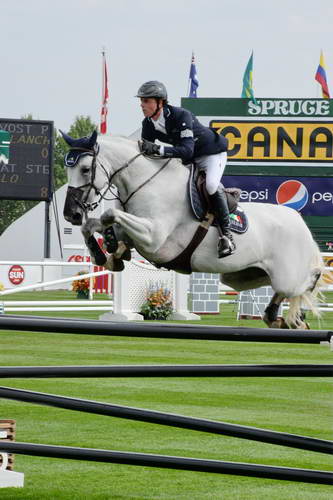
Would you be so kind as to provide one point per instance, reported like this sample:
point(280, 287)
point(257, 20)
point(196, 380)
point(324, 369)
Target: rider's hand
point(149, 148)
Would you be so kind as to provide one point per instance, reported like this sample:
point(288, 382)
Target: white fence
point(130, 287)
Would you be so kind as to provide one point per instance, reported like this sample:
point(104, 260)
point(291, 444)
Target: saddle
point(200, 203)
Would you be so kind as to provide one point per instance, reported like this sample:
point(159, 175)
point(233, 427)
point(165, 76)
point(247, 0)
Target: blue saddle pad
point(238, 219)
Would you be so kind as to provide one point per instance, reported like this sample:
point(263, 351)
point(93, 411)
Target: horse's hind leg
point(271, 313)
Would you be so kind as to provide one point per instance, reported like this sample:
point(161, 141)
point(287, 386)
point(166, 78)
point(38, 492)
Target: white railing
point(131, 282)
point(45, 284)
point(57, 305)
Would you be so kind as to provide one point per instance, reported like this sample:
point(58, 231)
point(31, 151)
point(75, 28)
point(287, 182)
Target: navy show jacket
point(189, 138)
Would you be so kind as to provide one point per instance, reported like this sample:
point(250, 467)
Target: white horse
point(157, 219)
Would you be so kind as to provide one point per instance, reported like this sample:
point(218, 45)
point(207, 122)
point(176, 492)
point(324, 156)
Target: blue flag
point(194, 83)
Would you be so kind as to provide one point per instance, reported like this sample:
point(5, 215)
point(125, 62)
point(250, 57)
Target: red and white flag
point(105, 97)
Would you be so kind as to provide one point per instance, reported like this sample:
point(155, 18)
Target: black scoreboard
point(28, 174)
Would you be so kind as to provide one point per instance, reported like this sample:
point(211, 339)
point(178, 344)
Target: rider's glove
point(149, 148)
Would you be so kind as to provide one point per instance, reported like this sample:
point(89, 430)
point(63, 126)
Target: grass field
point(295, 405)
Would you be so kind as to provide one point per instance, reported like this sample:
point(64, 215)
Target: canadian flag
point(105, 97)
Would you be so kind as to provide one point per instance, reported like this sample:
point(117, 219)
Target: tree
point(81, 127)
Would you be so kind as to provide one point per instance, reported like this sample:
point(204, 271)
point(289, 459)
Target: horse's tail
point(312, 296)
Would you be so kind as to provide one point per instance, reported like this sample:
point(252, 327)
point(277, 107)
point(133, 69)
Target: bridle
point(82, 199)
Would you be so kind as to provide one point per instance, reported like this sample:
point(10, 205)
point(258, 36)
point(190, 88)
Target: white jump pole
point(55, 282)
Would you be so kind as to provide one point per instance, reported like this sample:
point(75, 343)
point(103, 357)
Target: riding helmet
point(153, 89)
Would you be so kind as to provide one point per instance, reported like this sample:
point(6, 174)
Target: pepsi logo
point(292, 194)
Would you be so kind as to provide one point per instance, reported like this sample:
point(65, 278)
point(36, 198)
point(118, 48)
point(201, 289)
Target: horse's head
point(85, 181)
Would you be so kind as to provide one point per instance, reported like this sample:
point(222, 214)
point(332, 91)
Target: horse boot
point(226, 244)
point(110, 240)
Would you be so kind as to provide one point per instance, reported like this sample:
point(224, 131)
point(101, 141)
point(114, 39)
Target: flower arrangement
point(81, 287)
point(158, 303)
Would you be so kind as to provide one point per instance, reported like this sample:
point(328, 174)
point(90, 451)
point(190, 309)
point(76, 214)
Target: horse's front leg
point(140, 230)
point(98, 257)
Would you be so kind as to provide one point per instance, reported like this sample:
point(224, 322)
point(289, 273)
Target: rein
point(88, 207)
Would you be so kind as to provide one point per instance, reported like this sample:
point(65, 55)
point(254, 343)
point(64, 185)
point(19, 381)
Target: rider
point(192, 142)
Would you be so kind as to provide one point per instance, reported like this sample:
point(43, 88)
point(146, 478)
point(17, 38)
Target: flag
point(248, 81)
point(193, 79)
point(321, 77)
point(105, 96)
point(4, 146)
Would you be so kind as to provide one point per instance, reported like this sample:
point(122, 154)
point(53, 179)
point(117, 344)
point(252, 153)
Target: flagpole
point(189, 79)
point(102, 204)
point(102, 96)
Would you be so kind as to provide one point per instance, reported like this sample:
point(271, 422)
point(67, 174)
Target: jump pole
point(162, 330)
point(167, 371)
point(169, 419)
point(170, 462)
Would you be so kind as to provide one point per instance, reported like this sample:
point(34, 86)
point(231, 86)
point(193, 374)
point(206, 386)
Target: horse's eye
point(85, 170)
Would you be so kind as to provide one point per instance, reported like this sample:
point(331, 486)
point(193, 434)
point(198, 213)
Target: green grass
point(295, 405)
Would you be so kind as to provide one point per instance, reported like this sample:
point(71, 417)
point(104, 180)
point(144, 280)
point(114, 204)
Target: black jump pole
point(158, 330)
point(167, 371)
point(169, 462)
point(169, 419)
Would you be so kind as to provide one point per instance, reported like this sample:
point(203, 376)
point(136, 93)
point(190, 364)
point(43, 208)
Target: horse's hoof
point(280, 323)
point(303, 325)
point(277, 323)
point(115, 265)
point(123, 252)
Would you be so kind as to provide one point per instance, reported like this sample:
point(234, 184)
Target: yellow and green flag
point(248, 81)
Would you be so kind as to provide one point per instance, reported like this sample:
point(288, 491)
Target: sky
point(51, 63)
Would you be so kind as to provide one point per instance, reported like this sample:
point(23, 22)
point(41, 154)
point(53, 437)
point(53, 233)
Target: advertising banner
point(308, 195)
point(288, 141)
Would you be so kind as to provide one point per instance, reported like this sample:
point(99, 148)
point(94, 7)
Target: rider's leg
point(214, 166)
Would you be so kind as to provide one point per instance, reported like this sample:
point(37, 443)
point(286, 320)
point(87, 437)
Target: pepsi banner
point(308, 195)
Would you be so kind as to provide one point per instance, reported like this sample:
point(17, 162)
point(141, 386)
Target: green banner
point(264, 107)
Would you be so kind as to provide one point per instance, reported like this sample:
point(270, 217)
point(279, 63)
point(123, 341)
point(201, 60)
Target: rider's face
point(149, 106)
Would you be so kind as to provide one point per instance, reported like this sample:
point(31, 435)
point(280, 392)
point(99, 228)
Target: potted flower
point(81, 287)
point(158, 303)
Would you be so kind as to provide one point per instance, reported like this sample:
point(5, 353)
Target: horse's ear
point(67, 138)
point(92, 140)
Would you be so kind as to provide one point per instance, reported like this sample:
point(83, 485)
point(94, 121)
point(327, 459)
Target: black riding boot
point(226, 245)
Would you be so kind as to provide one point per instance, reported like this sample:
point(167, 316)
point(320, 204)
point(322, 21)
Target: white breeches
point(214, 166)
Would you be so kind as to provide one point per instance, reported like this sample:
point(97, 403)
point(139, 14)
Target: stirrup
point(225, 247)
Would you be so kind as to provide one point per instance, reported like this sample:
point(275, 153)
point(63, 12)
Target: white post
point(9, 478)
point(181, 313)
point(120, 301)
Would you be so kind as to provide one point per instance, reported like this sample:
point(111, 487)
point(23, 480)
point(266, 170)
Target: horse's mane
point(109, 140)
point(132, 145)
